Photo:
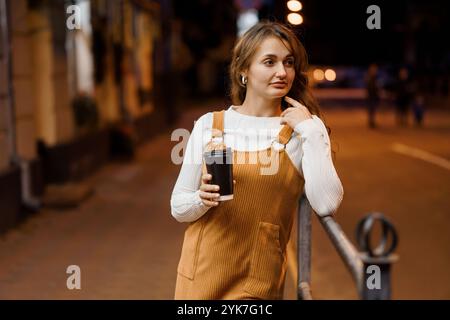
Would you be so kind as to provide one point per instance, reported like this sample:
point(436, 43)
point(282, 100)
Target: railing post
point(369, 267)
point(377, 262)
point(304, 249)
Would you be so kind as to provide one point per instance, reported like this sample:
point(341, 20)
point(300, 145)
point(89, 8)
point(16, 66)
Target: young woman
point(236, 249)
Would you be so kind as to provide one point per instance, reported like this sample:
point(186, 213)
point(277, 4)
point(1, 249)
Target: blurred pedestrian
point(418, 107)
point(236, 249)
point(372, 94)
point(403, 96)
point(418, 101)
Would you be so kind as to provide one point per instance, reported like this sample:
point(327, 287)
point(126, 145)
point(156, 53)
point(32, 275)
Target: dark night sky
point(335, 32)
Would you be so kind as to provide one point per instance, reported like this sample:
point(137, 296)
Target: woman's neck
point(259, 107)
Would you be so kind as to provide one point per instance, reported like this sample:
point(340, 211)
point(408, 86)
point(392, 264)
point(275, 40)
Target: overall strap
point(217, 132)
point(285, 134)
point(217, 127)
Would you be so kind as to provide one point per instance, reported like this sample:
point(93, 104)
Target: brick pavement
point(128, 245)
point(123, 237)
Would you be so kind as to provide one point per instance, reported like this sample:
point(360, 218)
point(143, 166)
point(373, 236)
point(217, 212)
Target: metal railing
point(370, 268)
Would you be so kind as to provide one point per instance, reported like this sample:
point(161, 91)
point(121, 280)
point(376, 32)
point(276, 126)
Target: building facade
point(75, 78)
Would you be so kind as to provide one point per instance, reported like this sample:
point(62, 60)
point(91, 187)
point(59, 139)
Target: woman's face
point(272, 63)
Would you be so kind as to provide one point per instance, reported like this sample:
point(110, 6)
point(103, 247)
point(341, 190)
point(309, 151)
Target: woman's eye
point(288, 62)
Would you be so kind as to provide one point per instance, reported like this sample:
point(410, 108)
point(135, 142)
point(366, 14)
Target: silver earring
point(244, 80)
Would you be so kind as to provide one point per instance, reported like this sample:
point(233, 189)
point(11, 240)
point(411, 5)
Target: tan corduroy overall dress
point(237, 250)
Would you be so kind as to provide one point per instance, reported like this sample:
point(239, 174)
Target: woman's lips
point(279, 85)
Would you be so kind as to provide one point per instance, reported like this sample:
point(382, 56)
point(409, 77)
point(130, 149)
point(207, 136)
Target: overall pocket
point(190, 250)
point(266, 276)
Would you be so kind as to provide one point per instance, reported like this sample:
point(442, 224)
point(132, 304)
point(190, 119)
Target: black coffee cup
point(219, 164)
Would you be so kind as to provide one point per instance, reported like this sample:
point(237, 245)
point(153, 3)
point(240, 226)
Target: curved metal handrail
point(355, 261)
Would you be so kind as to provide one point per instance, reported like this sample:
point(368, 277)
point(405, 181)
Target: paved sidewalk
point(123, 237)
point(127, 244)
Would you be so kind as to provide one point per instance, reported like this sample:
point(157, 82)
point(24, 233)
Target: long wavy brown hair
point(245, 49)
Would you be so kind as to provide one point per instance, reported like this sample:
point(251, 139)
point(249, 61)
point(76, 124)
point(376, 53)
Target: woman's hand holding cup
point(209, 193)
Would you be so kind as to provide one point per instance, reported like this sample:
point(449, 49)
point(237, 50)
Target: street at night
point(99, 198)
point(127, 244)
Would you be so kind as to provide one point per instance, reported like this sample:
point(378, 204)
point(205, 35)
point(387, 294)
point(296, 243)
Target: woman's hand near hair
point(294, 115)
point(209, 193)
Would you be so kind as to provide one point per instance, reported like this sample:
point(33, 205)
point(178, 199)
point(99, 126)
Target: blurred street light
point(330, 75)
point(294, 5)
point(295, 18)
point(246, 20)
point(318, 74)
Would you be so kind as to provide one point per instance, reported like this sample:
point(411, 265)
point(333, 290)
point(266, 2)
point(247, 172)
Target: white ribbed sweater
point(309, 150)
